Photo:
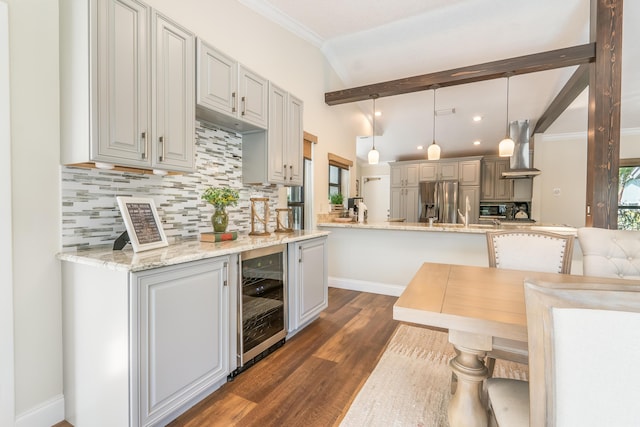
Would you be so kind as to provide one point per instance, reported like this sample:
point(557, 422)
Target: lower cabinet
point(141, 348)
point(473, 193)
point(404, 203)
point(182, 331)
point(308, 281)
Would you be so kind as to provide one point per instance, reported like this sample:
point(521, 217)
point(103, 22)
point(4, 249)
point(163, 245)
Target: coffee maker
point(352, 203)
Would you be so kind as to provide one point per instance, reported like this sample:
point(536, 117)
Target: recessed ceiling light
point(477, 142)
point(378, 113)
point(477, 118)
point(420, 147)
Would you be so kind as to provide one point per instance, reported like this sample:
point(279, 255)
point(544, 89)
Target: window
point(629, 194)
point(338, 175)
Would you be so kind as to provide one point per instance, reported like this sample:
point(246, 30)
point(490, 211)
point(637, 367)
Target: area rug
point(410, 386)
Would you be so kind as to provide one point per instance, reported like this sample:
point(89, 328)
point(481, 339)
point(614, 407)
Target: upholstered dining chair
point(526, 250)
point(610, 253)
point(584, 347)
point(530, 250)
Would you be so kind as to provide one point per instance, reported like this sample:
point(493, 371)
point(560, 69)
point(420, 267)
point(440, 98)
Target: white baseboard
point(46, 414)
point(364, 286)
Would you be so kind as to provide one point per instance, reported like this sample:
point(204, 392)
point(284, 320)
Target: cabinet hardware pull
point(244, 105)
point(226, 273)
point(144, 145)
point(300, 254)
point(291, 172)
point(161, 139)
point(233, 103)
point(285, 171)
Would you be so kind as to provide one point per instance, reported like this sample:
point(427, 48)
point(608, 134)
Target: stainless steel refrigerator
point(439, 200)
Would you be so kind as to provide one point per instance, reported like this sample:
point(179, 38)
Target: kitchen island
point(382, 257)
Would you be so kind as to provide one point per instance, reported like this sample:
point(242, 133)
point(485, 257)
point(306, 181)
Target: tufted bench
point(610, 253)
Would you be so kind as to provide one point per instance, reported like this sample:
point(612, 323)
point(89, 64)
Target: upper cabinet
point(127, 76)
point(469, 172)
point(404, 175)
point(494, 187)
point(438, 170)
point(276, 156)
point(228, 93)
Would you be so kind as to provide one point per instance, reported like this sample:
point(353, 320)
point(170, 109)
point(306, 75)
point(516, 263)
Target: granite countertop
point(454, 228)
point(179, 252)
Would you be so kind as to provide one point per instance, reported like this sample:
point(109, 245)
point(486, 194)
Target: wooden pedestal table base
point(465, 407)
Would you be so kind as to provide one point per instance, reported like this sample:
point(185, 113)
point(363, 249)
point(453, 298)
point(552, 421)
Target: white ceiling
point(372, 41)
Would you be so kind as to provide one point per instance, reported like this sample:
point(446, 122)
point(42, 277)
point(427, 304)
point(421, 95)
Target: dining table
point(481, 308)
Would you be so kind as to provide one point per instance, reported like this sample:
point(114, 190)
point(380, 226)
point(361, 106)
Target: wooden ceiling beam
point(559, 58)
point(578, 82)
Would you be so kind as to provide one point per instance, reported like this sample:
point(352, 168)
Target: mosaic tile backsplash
point(90, 214)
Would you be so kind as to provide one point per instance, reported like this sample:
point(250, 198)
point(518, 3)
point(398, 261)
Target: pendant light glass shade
point(374, 155)
point(433, 152)
point(506, 146)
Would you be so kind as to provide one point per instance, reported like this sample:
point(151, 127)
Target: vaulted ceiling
point(372, 41)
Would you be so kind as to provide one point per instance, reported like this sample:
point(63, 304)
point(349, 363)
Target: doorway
point(375, 192)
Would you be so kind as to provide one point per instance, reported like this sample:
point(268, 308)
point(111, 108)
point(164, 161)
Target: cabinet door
point(310, 281)
point(182, 321)
point(411, 204)
point(448, 170)
point(428, 171)
point(295, 142)
point(473, 193)
point(254, 94)
point(503, 187)
point(469, 172)
point(277, 134)
point(173, 96)
point(411, 175)
point(488, 180)
point(397, 203)
point(397, 180)
point(217, 80)
point(122, 74)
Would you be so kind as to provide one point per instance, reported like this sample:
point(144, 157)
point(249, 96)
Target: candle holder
point(286, 213)
point(256, 218)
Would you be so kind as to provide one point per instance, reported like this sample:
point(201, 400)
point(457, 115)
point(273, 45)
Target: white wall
point(7, 402)
point(559, 192)
point(234, 29)
point(34, 89)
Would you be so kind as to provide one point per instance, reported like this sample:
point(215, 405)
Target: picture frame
point(142, 223)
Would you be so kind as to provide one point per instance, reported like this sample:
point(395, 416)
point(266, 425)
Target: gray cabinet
point(404, 175)
point(127, 86)
point(438, 170)
point(404, 191)
point(404, 203)
point(181, 326)
point(469, 172)
point(493, 187)
point(275, 156)
point(228, 93)
point(473, 193)
point(308, 281)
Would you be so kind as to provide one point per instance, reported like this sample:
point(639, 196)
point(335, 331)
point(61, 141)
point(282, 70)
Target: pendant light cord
point(374, 123)
point(508, 106)
point(434, 116)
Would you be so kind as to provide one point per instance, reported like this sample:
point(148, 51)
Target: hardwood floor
point(313, 378)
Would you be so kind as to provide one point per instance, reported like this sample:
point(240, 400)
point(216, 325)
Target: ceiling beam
point(559, 58)
point(578, 82)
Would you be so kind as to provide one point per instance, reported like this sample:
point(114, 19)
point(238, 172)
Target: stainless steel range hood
point(519, 165)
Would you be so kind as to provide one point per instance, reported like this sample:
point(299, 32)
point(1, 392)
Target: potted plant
point(336, 200)
point(220, 198)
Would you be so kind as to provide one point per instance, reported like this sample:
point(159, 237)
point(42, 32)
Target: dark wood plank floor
point(313, 378)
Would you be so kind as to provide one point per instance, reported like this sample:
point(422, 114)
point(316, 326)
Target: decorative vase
point(220, 220)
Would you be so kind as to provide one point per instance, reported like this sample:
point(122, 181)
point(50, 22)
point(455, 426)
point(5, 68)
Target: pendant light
point(433, 152)
point(506, 146)
point(374, 155)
